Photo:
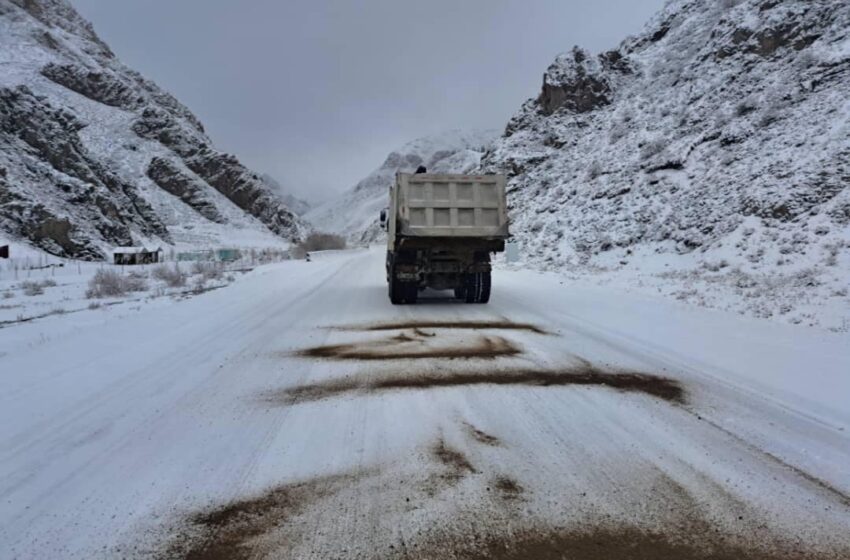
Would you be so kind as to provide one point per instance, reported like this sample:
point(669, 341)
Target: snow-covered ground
point(297, 414)
point(798, 295)
point(35, 285)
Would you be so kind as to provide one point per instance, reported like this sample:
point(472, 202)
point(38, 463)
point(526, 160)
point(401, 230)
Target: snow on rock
point(355, 214)
point(93, 155)
point(706, 158)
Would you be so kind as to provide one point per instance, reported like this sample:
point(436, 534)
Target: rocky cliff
point(712, 149)
point(94, 155)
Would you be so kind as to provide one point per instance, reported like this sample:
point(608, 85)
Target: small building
point(135, 255)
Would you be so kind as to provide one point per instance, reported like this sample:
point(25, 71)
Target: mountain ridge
point(711, 149)
point(95, 155)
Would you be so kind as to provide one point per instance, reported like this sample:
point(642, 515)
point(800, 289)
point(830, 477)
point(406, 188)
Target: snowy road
point(297, 414)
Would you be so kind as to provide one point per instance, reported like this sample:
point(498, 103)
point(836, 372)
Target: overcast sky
point(318, 92)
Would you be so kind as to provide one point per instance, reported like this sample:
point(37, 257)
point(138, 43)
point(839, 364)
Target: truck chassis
point(447, 264)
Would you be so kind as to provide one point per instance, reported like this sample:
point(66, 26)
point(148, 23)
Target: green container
point(191, 256)
point(228, 255)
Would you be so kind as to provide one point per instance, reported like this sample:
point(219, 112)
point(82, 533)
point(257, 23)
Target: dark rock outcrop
point(191, 190)
point(718, 131)
point(91, 151)
point(575, 82)
point(791, 27)
point(60, 14)
point(222, 171)
point(61, 173)
point(101, 86)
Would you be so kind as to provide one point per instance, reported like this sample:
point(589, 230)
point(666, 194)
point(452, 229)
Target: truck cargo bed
point(433, 205)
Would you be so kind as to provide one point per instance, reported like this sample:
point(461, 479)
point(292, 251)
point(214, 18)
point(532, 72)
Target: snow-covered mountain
point(712, 150)
point(355, 214)
point(94, 155)
point(297, 205)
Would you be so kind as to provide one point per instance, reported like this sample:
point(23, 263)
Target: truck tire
point(460, 292)
point(484, 287)
point(402, 292)
point(477, 289)
point(396, 288)
point(470, 288)
point(411, 292)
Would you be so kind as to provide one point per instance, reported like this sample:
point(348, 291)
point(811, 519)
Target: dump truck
point(441, 231)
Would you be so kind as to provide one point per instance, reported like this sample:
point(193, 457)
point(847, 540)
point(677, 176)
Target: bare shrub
point(8, 295)
point(652, 148)
point(746, 107)
point(110, 283)
point(94, 305)
point(199, 285)
point(208, 270)
point(171, 275)
point(772, 111)
point(32, 288)
point(715, 266)
point(318, 241)
point(135, 283)
point(832, 255)
point(806, 59)
point(323, 241)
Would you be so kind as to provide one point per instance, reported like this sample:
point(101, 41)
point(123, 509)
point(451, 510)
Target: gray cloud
point(316, 93)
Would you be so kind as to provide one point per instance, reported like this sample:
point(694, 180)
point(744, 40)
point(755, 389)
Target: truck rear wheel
point(398, 290)
point(402, 292)
point(411, 292)
point(484, 287)
point(477, 288)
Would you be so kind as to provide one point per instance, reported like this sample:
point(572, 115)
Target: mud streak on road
point(405, 347)
point(508, 488)
point(653, 385)
point(481, 436)
point(250, 528)
point(452, 459)
point(472, 325)
point(228, 532)
point(608, 544)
